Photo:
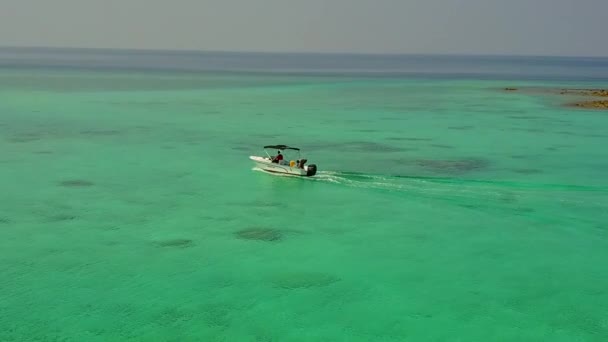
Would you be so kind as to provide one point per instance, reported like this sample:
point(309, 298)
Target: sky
point(503, 27)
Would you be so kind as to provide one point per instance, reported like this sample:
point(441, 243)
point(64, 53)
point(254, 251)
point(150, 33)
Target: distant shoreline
point(414, 66)
point(302, 53)
point(590, 101)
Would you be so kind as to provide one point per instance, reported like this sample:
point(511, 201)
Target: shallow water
point(445, 209)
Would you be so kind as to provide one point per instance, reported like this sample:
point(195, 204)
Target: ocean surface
point(445, 208)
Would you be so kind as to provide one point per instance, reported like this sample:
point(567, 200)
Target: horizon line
point(262, 52)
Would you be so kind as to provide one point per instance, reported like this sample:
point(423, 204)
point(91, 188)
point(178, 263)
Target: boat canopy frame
point(281, 147)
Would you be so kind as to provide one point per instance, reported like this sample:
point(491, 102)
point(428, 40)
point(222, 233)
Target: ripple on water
point(304, 280)
point(76, 183)
point(175, 243)
point(260, 234)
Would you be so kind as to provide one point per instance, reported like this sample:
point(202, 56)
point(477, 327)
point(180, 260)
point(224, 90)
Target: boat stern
point(311, 170)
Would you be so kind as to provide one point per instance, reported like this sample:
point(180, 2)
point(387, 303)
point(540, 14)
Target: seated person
point(277, 159)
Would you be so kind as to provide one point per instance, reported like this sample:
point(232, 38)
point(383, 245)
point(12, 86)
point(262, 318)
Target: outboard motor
point(311, 170)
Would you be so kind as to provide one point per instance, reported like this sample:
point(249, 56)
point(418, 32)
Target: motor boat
point(284, 162)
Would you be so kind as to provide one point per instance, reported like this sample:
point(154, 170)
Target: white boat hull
point(283, 168)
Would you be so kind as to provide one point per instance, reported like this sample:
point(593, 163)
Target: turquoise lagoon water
point(445, 209)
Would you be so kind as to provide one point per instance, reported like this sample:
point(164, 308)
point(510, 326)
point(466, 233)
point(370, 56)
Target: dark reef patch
point(304, 280)
point(138, 103)
point(524, 210)
point(392, 119)
point(173, 317)
point(409, 139)
point(264, 136)
point(260, 203)
point(24, 138)
point(508, 197)
point(463, 128)
point(358, 146)
point(217, 315)
point(470, 206)
point(61, 218)
point(354, 121)
point(100, 132)
point(259, 234)
point(527, 171)
point(442, 146)
point(76, 183)
point(453, 167)
point(175, 243)
point(566, 122)
point(218, 218)
point(371, 147)
point(524, 117)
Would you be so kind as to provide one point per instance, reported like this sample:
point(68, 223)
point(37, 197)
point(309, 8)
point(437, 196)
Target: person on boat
point(277, 159)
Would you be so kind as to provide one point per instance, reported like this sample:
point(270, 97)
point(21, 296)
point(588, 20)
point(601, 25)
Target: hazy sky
point(539, 27)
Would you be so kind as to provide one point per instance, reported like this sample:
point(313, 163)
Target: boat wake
point(437, 185)
point(487, 195)
point(359, 180)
